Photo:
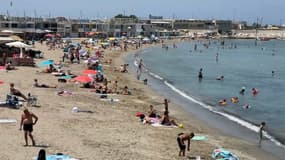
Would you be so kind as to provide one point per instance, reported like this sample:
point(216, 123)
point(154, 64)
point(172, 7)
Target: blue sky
point(271, 11)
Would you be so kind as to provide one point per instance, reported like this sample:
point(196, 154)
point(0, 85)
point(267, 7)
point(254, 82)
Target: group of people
point(153, 117)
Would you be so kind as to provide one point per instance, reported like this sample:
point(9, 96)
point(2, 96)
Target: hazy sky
point(271, 11)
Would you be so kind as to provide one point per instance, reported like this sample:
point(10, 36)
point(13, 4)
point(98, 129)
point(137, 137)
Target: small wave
point(156, 76)
point(226, 115)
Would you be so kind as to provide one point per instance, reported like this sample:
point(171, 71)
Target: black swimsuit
point(28, 127)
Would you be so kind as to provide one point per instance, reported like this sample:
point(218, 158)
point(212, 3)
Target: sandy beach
point(113, 131)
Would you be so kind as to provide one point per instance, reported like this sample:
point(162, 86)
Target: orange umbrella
point(90, 71)
point(83, 79)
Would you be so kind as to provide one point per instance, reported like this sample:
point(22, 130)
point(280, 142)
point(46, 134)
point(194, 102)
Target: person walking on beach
point(28, 123)
point(261, 129)
point(139, 70)
point(180, 140)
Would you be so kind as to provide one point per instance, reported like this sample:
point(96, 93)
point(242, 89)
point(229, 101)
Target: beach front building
point(28, 27)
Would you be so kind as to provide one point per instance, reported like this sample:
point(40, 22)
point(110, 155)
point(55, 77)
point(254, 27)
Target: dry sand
point(112, 131)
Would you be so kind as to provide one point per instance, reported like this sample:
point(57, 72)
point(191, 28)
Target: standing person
point(4, 57)
point(139, 69)
point(217, 57)
point(261, 129)
point(27, 123)
point(166, 104)
point(180, 140)
point(200, 75)
point(77, 55)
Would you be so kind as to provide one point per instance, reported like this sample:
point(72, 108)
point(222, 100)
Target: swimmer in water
point(254, 91)
point(242, 91)
point(220, 78)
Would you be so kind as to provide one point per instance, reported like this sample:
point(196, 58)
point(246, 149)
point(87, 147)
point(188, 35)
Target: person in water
point(242, 91)
point(181, 138)
point(200, 75)
point(220, 78)
point(254, 91)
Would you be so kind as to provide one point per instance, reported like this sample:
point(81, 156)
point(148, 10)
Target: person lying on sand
point(16, 92)
point(50, 69)
point(126, 91)
point(8, 66)
point(165, 120)
point(122, 69)
point(36, 84)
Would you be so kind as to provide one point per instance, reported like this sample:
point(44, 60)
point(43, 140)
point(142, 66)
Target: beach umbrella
point(83, 79)
point(20, 45)
point(49, 35)
point(89, 71)
point(46, 63)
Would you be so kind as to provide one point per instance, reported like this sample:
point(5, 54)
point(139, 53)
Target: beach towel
point(199, 138)
point(8, 121)
point(2, 67)
point(110, 99)
point(163, 126)
point(195, 157)
point(222, 154)
point(57, 157)
point(77, 110)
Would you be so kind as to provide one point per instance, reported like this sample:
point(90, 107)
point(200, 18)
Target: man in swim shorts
point(27, 123)
point(180, 140)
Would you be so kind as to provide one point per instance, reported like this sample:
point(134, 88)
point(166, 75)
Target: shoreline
point(242, 123)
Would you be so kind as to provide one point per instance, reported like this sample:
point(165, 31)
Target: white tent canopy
point(20, 45)
point(7, 31)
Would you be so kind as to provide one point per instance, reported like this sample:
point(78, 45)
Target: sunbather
point(36, 84)
point(16, 92)
point(9, 66)
point(150, 114)
point(126, 91)
point(165, 120)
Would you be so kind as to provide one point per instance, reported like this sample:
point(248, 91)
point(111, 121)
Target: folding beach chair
point(32, 100)
point(12, 100)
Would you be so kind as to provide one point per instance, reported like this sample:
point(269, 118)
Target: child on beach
point(180, 140)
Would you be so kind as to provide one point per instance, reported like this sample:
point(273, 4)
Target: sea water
point(243, 63)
